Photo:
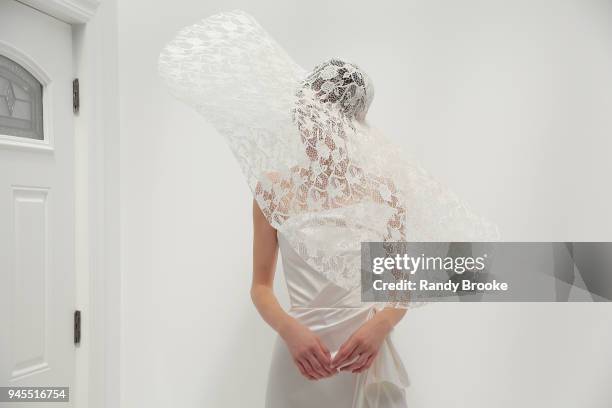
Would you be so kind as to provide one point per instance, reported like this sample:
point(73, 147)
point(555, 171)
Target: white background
point(507, 102)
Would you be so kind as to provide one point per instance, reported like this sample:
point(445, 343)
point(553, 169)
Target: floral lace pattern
point(320, 173)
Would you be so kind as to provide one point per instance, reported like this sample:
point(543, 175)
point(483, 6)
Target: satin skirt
point(333, 314)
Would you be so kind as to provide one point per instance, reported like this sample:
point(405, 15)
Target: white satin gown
point(332, 313)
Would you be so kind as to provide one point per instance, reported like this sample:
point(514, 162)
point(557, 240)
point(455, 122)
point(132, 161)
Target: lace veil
point(322, 176)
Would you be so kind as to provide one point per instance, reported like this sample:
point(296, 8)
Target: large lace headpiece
point(322, 176)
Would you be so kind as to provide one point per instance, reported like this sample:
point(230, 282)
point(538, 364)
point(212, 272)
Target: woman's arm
point(309, 353)
point(359, 351)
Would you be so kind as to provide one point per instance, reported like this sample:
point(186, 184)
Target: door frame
point(97, 190)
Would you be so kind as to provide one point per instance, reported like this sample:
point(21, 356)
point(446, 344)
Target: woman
point(328, 343)
point(324, 181)
point(329, 335)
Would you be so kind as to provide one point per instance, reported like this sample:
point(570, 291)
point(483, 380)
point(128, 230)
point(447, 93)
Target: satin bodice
point(310, 289)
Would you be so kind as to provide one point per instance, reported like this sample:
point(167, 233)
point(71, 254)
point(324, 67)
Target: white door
point(37, 276)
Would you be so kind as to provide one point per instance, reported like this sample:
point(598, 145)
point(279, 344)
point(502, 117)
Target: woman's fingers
point(309, 369)
point(352, 356)
point(325, 351)
point(366, 364)
point(303, 371)
point(317, 366)
point(357, 363)
point(344, 353)
point(324, 360)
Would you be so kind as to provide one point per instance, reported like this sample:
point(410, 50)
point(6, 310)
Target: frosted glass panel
point(20, 101)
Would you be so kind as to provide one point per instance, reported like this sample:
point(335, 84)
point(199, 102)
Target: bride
point(323, 182)
point(330, 337)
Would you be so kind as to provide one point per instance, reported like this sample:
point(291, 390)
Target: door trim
point(98, 371)
point(70, 11)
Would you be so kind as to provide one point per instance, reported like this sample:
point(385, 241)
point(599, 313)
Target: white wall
point(506, 102)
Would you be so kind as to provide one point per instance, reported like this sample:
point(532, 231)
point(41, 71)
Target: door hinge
point(75, 95)
point(77, 326)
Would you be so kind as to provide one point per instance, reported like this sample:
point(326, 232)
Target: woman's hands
point(309, 353)
point(358, 353)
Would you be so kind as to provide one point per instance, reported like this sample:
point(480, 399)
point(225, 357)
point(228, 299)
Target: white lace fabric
point(318, 171)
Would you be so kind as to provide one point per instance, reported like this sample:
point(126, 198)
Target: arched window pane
point(20, 101)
